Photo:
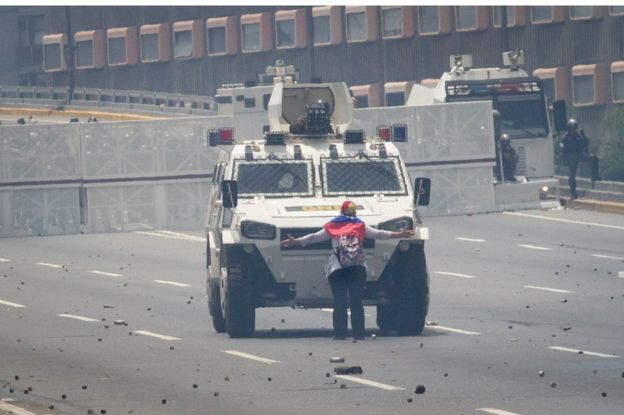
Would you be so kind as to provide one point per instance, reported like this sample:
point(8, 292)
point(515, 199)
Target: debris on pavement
point(420, 389)
point(348, 370)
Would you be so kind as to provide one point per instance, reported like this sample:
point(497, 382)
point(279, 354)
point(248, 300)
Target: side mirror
point(422, 191)
point(559, 115)
point(229, 193)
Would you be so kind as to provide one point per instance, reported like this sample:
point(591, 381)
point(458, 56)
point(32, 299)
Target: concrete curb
point(595, 205)
point(101, 115)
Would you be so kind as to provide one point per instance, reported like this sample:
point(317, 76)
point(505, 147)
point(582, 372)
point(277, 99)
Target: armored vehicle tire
point(214, 303)
point(387, 316)
point(413, 296)
point(240, 310)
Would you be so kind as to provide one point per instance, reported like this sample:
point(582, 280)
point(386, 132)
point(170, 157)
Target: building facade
point(380, 51)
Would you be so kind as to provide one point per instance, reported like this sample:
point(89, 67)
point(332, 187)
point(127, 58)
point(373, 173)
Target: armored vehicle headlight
point(257, 230)
point(395, 225)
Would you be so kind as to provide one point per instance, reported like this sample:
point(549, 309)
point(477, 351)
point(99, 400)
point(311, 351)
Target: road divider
point(454, 274)
point(172, 235)
point(552, 290)
point(452, 330)
point(495, 411)
point(107, 274)
point(10, 304)
point(367, 382)
point(461, 238)
point(75, 317)
point(535, 247)
point(583, 352)
point(47, 264)
point(177, 284)
point(250, 356)
point(158, 336)
point(562, 220)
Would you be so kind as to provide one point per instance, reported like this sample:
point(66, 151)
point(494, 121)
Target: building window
point(183, 44)
point(496, 15)
point(580, 12)
point(583, 89)
point(116, 51)
point(616, 10)
point(555, 82)
point(155, 42)
point(367, 95)
point(541, 14)
point(394, 99)
point(618, 86)
point(589, 84)
point(52, 57)
point(356, 27)
point(428, 20)
point(617, 81)
point(321, 30)
point(149, 47)
point(122, 46)
point(222, 35)
point(30, 37)
point(84, 54)
point(285, 33)
point(251, 37)
point(466, 17)
point(361, 101)
point(392, 20)
point(216, 40)
point(327, 25)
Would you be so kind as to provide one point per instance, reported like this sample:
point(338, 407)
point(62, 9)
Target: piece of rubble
point(336, 360)
point(553, 385)
point(343, 386)
point(564, 300)
point(348, 370)
point(120, 323)
point(108, 306)
point(420, 389)
point(541, 373)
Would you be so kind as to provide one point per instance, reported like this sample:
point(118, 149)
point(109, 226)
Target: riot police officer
point(575, 150)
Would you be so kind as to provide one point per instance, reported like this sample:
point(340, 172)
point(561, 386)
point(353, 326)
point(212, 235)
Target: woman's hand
point(290, 241)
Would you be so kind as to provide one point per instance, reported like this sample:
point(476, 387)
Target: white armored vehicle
point(293, 183)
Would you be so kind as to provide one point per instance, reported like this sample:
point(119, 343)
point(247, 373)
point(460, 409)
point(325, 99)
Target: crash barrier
point(90, 97)
point(451, 144)
point(105, 177)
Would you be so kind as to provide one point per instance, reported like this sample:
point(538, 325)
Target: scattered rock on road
point(348, 370)
point(420, 389)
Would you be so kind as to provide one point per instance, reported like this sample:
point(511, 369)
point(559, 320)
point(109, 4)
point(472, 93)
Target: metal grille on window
point(362, 176)
point(274, 177)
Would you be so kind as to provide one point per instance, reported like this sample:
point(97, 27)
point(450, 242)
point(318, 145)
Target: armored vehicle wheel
point(387, 317)
point(238, 302)
point(413, 296)
point(214, 303)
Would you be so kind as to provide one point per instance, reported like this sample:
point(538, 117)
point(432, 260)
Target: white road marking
point(617, 258)
point(552, 290)
point(47, 264)
point(158, 336)
point(250, 356)
point(452, 330)
point(620, 274)
point(10, 304)
point(177, 284)
point(12, 409)
point(172, 235)
point(75, 317)
point(495, 411)
point(576, 222)
point(108, 274)
point(454, 274)
point(5, 260)
point(585, 352)
point(370, 383)
point(461, 238)
point(537, 248)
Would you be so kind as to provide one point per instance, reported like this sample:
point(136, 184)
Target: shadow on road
point(328, 333)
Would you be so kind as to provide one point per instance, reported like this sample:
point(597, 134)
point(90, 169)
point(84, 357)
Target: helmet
point(348, 208)
point(504, 138)
point(496, 113)
point(572, 124)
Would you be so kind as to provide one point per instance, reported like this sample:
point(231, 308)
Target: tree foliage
point(612, 146)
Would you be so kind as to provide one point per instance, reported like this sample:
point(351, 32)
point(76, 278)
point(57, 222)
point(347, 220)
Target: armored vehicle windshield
point(274, 178)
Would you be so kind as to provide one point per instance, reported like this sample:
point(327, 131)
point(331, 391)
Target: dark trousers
point(347, 285)
point(573, 160)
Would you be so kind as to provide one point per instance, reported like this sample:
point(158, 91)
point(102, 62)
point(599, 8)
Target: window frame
point(616, 68)
point(299, 35)
point(130, 40)
point(265, 32)
point(371, 91)
point(230, 24)
point(596, 12)
point(198, 38)
point(480, 19)
point(401, 25)
point(59, 40)
point(164, 42)
point(444, 21)
point(612, 13)
point(96, 37)
point(558, 76)
point(556, 15)
point(597, 71)
point(371, 26)
point(519, 17)
point(335, 25)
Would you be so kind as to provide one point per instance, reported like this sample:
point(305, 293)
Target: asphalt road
point(512, 295)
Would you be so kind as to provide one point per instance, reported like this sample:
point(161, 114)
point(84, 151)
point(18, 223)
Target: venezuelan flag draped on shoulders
point(347, 223)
